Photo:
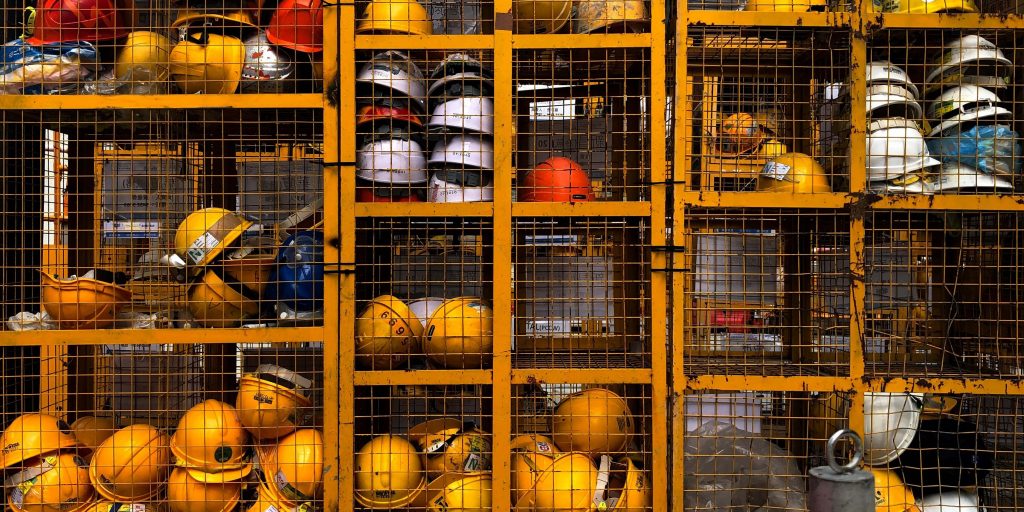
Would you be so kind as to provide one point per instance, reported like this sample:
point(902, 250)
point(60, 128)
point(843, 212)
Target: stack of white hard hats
point(461, 103)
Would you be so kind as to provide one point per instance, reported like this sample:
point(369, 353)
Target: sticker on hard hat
point(18, 494)
point(775, 170)
point(10, 448)
point(202, 246)
point(474, 462)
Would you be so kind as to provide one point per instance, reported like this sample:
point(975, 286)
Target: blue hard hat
point(297, 281)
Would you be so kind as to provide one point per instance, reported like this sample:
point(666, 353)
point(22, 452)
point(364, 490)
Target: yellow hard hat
point(785, 5)
point(531, 453)
point(187, 494)
point(395, 17)
point(90, 431)
point(56, 483)
point(295, 467)
point(772, 149)
point(216, 301)
point(924, 6)
point(567, 484)
point(891, 495)
point(388, 473)
point(205, 63)
point(205, 233)
point(211, 443)
point(225, 18)
point(627, 489)
point(460, 492)
point(793, 172)
point(450, 446)
point(252, 272)
point(611, 16)
point(31, 435)
point(459, 333)
point(386, 334)
point(594, 420)
point(541, 16)
point(82, 303)
point(144, 58)
point(132, 464)
point(269, 400)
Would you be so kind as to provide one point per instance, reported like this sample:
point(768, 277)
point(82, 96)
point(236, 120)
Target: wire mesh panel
point(424, 289)
point(765, 293)
point(580, 293)
point(582, 132)
point(128, 221)
point(169, 427)
point(758, 95)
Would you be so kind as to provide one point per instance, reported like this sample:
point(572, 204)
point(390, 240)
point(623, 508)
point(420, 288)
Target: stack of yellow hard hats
point(585, 464)
point(453, 333)
point(46, 472)
point(212, 455)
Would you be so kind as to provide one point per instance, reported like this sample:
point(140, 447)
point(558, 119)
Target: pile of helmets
point(441, 464)
point(460, 100)
point(898, 160)
point(582, 17)
point(233, 277)
point(793, 172)
point(924, 457)
point(221, 51)
point(753, 135)
point(452, 333)
point(43, 466)
point(391, 163)
point(970, 126)
point(585, 464)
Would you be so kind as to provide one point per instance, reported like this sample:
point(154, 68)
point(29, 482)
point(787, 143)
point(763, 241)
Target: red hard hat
point(59, 21)
point(299, 25)
point(557, 179)
point(370, 195)
point(371, 113)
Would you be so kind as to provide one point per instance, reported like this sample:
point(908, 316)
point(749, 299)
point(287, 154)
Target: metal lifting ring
point(858, 451)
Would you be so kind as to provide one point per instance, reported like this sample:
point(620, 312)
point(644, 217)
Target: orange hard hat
point(58, 21)
point(557, 179)
point(299, 25)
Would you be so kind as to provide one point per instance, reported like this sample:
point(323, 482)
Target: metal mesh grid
point(765, 293)
point(757, 95)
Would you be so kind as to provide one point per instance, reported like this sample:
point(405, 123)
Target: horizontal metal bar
point(433, 377)
point(971, 21)
point(951, 202)
point(424, 209)
point(589, 209)
point(834, 200)
point(560, 41)
point(433, 42)
point(759, 383)
point(584, 376)
point(162, 336)
point(158, 101)
point(769, 19)
point(950, 386)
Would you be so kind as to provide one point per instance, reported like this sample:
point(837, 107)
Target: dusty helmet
point(964, 104)
point(295, 467)
point(568, 483)
point(465, 492)
point(269, 401)
point(31, 435)
point(82, 303)
point(459, 334)
point(132, 464)
point(541, 16)
point(793, 172)
point(207, 63)
point(386, 334)
point(211, 442)
point(890, 423)
point(388, 473)
point(395, 17)
point(896, 147)
point(594, 420)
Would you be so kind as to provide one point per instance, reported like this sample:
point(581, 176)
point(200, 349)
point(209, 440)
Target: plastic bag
point(731, 469)
point(47, 69)
point(28, 321)
point(992, 149)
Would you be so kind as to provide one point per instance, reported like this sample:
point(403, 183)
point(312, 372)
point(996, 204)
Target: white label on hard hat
point(18, 497)
point(473, 462)
point(775, 170)
point(138, 507)
point(202, 246)
point(271, 508)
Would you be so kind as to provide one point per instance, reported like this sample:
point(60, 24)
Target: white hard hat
point(962, 104)
point(890, 423)
point(467, 83)
point(955, 177)
point(968, 56)
point(473, 114)
point(951, 502)
point(883, 72)
point(896, 147)
point(423, 308)
point(444, 191)
point(892, 101)
point(392, 160)
point(455, 63)
point(395, 71)
point(462, 151)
